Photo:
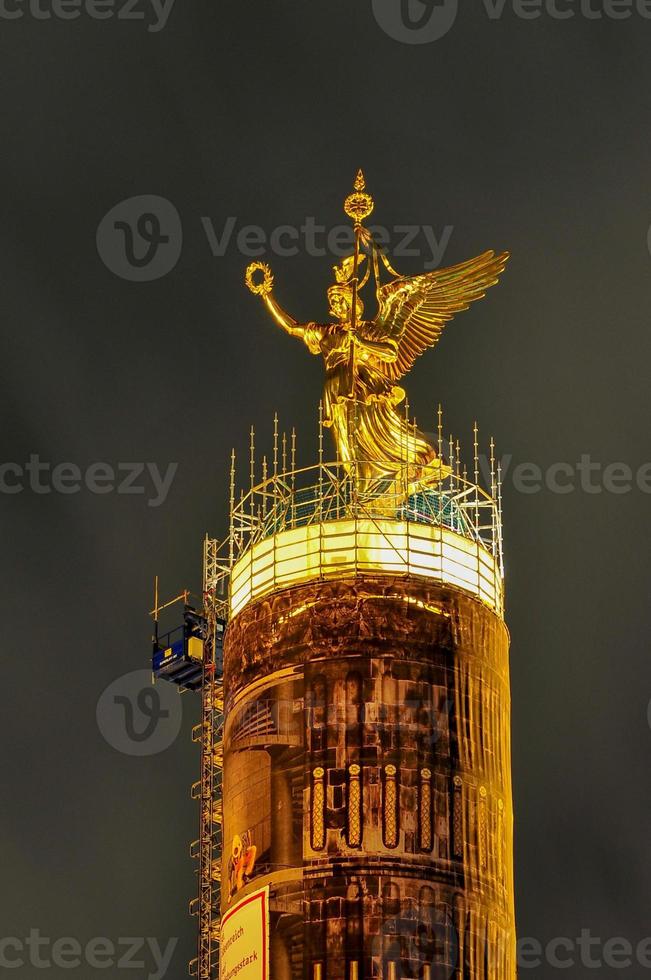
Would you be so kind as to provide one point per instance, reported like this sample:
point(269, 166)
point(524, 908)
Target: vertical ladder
point(208, 790)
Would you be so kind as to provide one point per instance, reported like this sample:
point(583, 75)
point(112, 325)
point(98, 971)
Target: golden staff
point(357, 206)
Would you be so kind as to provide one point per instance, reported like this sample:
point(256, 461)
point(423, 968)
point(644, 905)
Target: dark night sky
point(530, 135)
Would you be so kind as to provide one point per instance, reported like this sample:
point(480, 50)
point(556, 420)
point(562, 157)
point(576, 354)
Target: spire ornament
point(359, 205)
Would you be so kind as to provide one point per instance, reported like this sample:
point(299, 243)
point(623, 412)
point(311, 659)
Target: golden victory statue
point(365, 359)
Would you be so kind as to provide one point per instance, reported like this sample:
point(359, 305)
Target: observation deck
point(326, 521)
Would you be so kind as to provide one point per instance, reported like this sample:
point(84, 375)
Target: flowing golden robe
point(363, 411)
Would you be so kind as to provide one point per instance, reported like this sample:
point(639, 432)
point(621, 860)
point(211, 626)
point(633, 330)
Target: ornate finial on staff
point(359, 204)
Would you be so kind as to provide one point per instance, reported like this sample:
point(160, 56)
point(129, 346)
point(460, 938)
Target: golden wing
point(413, 311)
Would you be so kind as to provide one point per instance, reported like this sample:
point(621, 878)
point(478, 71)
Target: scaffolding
point(333, 518)
point(207, 849)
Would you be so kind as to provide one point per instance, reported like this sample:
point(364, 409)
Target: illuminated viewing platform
point(299, 525)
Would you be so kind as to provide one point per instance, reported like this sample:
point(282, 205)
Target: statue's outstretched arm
point(262, 287)
point(282, 318)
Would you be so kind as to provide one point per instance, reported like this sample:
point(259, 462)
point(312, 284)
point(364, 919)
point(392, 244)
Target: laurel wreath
point(259, 286)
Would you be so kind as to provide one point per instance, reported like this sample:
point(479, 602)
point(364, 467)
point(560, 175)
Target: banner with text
point(244, 945)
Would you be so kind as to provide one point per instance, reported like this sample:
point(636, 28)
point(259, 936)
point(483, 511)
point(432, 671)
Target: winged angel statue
point(365, 359)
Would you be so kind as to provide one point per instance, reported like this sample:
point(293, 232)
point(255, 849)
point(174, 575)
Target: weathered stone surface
point(401, 685)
